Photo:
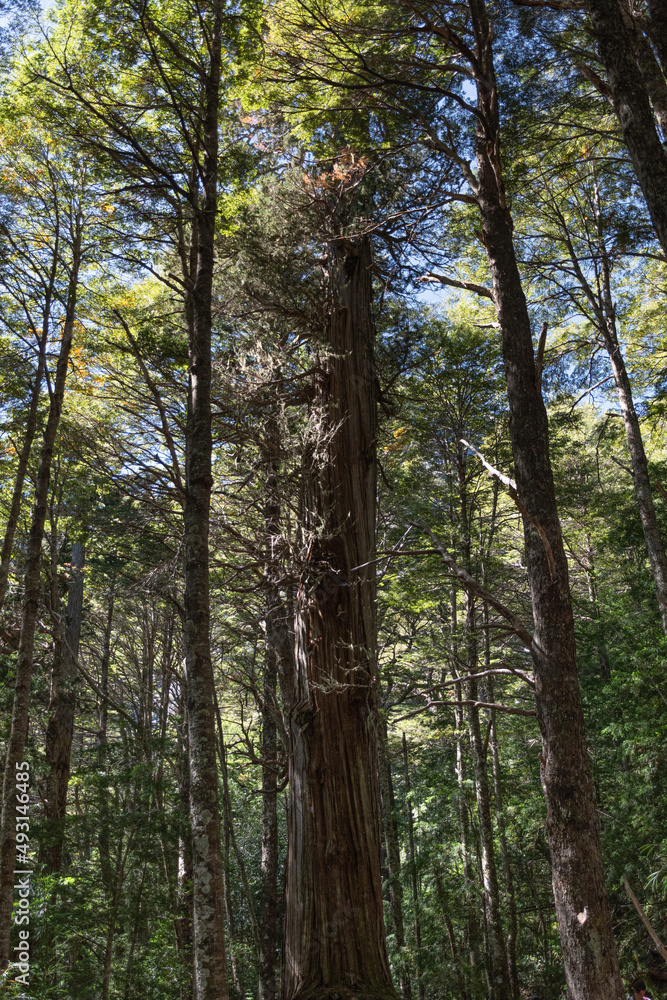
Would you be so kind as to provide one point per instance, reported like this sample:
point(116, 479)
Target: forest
point(333, 497)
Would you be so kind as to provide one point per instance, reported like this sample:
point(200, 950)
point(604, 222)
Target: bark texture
point(334, 930)
point(31, 593)
point(210, 966)
point(582, 907)
point(631, 102)
point(60, 729)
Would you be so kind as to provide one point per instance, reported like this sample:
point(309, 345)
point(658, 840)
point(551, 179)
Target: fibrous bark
point(334, 929)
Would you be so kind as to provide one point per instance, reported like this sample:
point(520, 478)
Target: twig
point(590, 389)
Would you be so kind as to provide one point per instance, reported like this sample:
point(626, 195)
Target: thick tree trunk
point(60, 729)
point(207, 878)
point(334, 930)
point(19, 725)
point(393, 849)
point(632, 105)
point(496, 952)
point(582, 907)
point(24, 456)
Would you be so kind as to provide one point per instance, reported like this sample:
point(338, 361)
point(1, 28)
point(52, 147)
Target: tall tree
point(452, 37)
point(32, 585)
point(334, 928)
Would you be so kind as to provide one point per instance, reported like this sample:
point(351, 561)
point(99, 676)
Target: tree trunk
point(496, 952)
point(268, 925)
point(19, 725)
point(649, 67)
point(471, 902)
point(102, 742)
point(393, 849)
point(60, 729)
point(334, 930)
point(640, 474)
point(633, 108)
point(582, 908)
point(413, 871)
point(657, 25)
point(513, 928)
point(184, 877)
point(207, 878)
point(24, 455)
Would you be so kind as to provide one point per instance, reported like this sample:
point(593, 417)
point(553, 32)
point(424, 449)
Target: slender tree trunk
point(102, 741)
point(393, 849)
point(24, 456)
point(464, 992)
point(640, 473)
point(268, 926)
point(582, 907)
point(413, 871)
point(207, 877)
point(513, 923)
point(228, 816)
point(184, 877)
point(278, 660)
point(19, 725)
point(657, 25)
point(471, 907)
point(334, 930)
point(633, 108)
point(497, 954)
point(60, 729)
